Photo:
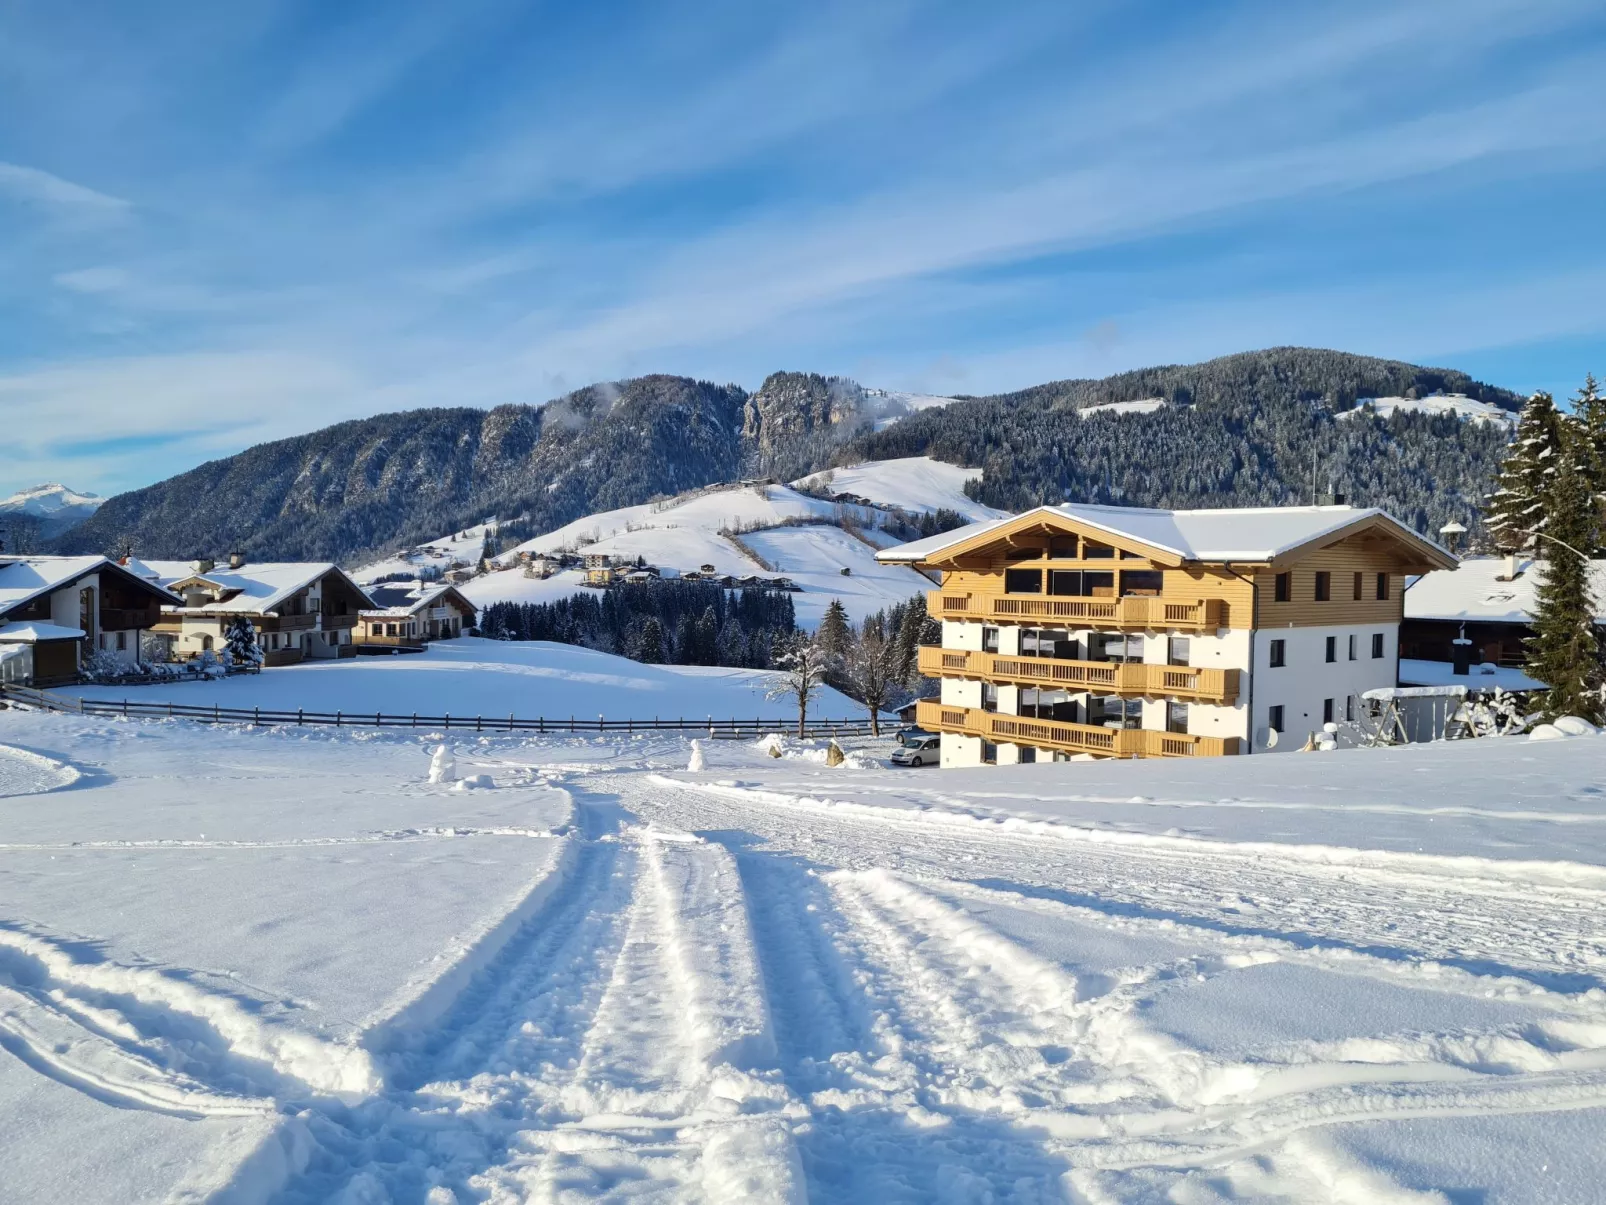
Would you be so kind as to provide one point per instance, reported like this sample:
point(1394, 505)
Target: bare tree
point(870, 666)
point(802, 664)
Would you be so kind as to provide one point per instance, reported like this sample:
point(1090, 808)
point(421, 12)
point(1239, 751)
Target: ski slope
point(814, 558)
point(307, 975)
point(914, 483)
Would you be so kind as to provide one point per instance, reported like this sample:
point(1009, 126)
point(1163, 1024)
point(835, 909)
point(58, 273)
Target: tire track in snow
point(676, 1080)
point(1548, 936)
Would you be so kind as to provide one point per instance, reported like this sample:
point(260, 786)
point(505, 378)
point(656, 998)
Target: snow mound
point(1565, 728)
point(25, 773)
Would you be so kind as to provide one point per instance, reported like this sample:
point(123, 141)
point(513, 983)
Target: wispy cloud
point(490, 203)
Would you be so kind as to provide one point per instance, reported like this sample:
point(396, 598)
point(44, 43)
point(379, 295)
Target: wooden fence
point(718, 729)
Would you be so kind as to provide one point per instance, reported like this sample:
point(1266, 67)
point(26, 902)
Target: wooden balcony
point(994, 726)
point(1132, 613)
point(1183, 682)
point(284, 623)
point(126, 619)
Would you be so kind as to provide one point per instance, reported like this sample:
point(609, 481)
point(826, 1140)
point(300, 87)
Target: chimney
point(203, 564)
point(1511, 567)
point(236, 560)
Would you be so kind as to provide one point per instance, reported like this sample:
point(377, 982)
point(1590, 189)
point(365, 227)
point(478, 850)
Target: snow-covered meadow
point(280, 965)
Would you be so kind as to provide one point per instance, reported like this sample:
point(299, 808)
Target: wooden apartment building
point(1125, 632)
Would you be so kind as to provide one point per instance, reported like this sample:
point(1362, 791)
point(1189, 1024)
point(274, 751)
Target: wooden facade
point(1073, 580)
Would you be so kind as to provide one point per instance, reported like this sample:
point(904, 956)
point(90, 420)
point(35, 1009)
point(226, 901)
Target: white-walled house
point(1128, 632)
point(301, 610)
point(57, 611)
point(410, 613)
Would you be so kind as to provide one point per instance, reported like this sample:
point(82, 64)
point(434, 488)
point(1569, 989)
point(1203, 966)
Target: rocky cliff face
point(795, 417)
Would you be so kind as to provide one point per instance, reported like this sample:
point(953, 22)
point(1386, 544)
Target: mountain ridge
point(1238, 428)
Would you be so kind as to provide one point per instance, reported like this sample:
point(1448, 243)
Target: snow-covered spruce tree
point(1588, 427)
point(802, 663)
point(240, 642)
point(1563, 652)
point(835, 634)
point(1517, 506)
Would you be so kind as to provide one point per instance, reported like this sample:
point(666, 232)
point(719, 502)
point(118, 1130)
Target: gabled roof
point(24, 578)
point(252, 589)
point(398, 599)
point(1240, 535)
point(1473, 592)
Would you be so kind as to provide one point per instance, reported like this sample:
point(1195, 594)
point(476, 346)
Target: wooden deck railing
point(1156, 681)
point(1135, 611)
point(994, 726)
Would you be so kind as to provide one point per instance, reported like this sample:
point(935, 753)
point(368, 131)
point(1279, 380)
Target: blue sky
point(224, 223)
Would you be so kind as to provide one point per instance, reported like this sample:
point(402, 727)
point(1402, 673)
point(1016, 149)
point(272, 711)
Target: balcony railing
point(1134, 611)
point(994, 726)
point(125, 619)
point(1128, 678)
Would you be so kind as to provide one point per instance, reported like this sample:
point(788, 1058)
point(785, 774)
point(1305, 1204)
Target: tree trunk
point(875, 722)
point(802, 715)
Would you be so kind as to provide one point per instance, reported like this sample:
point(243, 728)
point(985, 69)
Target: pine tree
point(835, 634)
point(1517, 506)
point(650, 643)
point(240, 642)
point(1589, 428)
point(1563, 652)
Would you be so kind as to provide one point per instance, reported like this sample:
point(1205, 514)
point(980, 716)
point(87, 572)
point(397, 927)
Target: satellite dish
point(1267, 738)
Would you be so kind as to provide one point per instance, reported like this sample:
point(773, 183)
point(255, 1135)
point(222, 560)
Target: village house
point(1488, 602)
point(301, 611)
point(1125, 632)
point(56, 612)
point(411, 613)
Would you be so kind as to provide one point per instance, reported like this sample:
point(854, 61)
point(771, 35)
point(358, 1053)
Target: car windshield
point(915, 740)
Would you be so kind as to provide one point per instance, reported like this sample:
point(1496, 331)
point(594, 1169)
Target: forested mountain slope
point(1243, 430)
point(1240, 430)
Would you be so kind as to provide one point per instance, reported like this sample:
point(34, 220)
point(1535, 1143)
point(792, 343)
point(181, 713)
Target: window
point(206, 644)
point(1332, 649)
point(1382, 587)
point(122, 641)
point(1092, 550)
point(1352, 653)
point(390, 629)
point(989, 753)
point(989, 697)
point(1065, 581)
point(1176, 717)
point(989, 640)
point(1177, 650)
point(1023, 554)
point(1349, 709)
point(1028, 755)
point(1324, 586)
point(1274, 718)
point(1144, 583)
point(1098, 584)
point(103, 641)
point(1131, 556)
point(1359, 579)
point(1023, 581)
point(1279, 653)
point(1377, 646)
point(1327, 711)
point(1063, 549)
point(1282, 587)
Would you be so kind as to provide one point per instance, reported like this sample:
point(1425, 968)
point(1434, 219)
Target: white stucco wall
point(961, 692)
point(960, 634)
point(960, 750)
point(1308, 678)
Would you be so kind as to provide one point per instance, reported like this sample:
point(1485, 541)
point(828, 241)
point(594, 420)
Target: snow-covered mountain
point(54, 506)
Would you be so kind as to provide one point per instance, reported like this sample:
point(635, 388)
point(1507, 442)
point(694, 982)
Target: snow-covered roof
point(23, 578)
point(1219, 535)
point(400, 599)
point(1473, 592)
point(252, 589)
point(1414, 672)
point(33, 633)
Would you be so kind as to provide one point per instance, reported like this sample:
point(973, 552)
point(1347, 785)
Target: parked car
point(925, 751)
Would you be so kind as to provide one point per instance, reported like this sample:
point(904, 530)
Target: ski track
point(732, 995)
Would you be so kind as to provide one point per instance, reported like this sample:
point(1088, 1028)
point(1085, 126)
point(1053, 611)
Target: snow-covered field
point(258, 965)
point(1146, 405)
point(1458, 404)
point(914, 483)
point(814, 558)
point(492, 678)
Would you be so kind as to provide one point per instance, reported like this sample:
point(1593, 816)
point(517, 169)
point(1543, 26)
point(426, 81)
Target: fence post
point(217, 714)
point(571, 724)
point(299, 717)
point(170, 709)
point(540, 724)
point(510, 721)
point(448, 719)
point(337, 719)
point(256, 717)
point(477, 727)
point(377, 717)
point(125, 709)
point(414, 724)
